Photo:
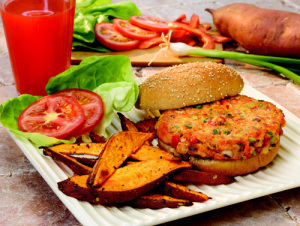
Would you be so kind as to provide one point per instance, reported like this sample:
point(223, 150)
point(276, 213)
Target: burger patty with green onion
point(234, 128)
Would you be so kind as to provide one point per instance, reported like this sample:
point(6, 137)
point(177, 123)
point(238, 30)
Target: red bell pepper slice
point(195, 21)
point(208, 42)
point(220, 38)
point(149, 43)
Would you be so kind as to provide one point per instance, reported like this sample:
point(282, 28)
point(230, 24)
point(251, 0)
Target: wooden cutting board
point(142, 57)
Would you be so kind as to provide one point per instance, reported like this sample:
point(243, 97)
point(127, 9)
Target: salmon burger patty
point(234, 128)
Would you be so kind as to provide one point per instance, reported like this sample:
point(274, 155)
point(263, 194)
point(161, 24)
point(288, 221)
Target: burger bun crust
point(188, 84)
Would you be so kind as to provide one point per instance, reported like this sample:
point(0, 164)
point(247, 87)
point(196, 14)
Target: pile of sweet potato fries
point(127, 169)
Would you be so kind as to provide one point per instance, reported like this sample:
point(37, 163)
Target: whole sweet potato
point(260, 31)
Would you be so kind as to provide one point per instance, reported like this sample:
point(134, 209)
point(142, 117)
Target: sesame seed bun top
point(188, 84)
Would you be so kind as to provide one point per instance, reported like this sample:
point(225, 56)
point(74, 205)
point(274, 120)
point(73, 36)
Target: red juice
point(39, 40)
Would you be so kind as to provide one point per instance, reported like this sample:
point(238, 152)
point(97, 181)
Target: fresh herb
point(205, 120)
point(189, 126)
point(272, 139)
point(199, 106)
point(176, 126)
point(260, 105)
point(228, 115)
point(194, 117)
point(252, 139)
point(215, 131)
point(254, 153)
point(227, 132)
point(242, 116)
point(270, 133)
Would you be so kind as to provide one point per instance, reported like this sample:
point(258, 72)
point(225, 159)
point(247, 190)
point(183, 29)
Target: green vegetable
point(189, 126)
point(215, 131)
point(227, 132)
point(90, 12)
point(181, 49)
point(252, 139)
point(205, 120)
point(109, 76)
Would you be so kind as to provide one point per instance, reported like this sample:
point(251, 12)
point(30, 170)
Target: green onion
point(205, 120)
point(181, 49)
point(189, 126)
point(252, 139)
point(227, 132)
point(215, 131)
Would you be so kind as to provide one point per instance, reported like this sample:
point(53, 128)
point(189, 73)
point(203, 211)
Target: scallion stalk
point(181, 49)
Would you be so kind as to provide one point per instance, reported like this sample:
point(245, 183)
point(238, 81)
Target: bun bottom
point(230, 167)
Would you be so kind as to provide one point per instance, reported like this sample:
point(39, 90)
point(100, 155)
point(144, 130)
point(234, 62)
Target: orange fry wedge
point(117, 149)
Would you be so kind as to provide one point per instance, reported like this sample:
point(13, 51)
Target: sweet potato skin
point(260, 31)
point(201, 177)
point(126, 184)
point(181, 192)
point(158, 201)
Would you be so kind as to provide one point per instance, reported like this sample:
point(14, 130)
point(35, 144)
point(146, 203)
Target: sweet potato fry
point(182, 192)
point(127, 183)
point(147, 152)
point(85, 153)
point(76, 166)
point(96, 138)
point(158, 201)
point(93, 149)
point(201, 177)
point(119, 147)
point(126, 124)
point(147, 125)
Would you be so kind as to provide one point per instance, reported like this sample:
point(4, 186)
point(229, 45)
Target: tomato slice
point(92, 106)
point(54, 116)
point(150, 23)
point(107, 35)
point(133, 32)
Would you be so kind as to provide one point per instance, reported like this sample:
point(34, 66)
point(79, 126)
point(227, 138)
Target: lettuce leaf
point(109, 76)
point(90, 12)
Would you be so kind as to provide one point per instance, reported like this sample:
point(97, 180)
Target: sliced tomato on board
point(150, 23)
point(92, 106)
point(107, 35)
point(133, 32)
point(54, 116)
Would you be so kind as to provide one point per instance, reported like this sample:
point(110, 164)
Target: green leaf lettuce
point(109, 76)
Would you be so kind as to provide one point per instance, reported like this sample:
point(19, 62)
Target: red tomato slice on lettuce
point(150, 23)
point(106, 34)
point(133, 32)
point(54, 116)
point(92, 106)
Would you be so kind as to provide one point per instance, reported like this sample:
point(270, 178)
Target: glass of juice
point(39, 40)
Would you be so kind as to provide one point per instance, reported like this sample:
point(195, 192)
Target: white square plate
point(282, 174)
